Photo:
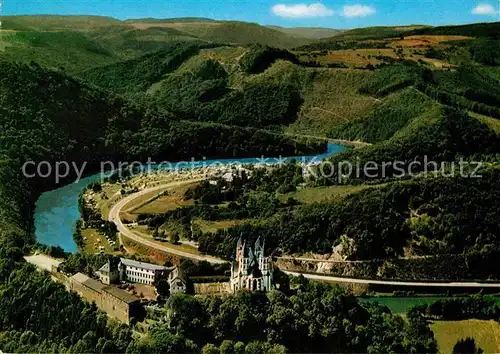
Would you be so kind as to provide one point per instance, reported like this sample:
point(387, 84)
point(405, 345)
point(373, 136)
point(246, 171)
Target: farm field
point(485, 333)
point(377, 52)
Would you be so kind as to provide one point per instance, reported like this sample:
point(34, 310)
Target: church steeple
point(251, 270)
point(259, 245)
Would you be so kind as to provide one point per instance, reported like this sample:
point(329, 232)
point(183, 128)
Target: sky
point(288, 13)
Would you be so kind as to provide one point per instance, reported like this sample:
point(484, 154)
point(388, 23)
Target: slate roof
point(178, 273)
point(104, 268)
point(121, 294)
point(143, 265)
point(89, 282)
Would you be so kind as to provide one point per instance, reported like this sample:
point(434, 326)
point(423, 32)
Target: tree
point(210, 349)
point(163, 287)
point(467, 346)
point(160, 340)
point(227, 347)
point(174, 237)
point(96, 187)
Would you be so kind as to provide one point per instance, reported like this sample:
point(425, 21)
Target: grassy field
point(142, 200)
point(324, 194)
point(94, 240)
point(163, 204)
point(214, 226)
point(106, 198)
point(330, 96)
point(140, 231)
point(485, 333)
point(168, 200)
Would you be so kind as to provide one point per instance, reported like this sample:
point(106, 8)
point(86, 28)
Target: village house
point(177, 281)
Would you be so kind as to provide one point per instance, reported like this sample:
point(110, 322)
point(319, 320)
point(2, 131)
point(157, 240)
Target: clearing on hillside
point(485, 333)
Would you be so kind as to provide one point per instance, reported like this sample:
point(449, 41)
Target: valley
point(374, 122)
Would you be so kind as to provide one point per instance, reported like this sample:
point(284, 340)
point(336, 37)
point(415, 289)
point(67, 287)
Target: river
point(56, 211)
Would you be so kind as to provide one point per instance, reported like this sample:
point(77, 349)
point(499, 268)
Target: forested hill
point(90, 88)
point(133, 95)
point(76, 121)
point(479, 30)
point(48, 116)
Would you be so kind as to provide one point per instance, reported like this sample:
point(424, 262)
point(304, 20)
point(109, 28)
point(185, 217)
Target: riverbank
point(56, 211)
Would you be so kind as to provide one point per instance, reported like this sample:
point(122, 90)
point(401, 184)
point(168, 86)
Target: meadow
point(485, 333)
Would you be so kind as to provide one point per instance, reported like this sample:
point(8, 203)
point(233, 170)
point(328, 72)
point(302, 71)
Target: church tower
point(251, 270)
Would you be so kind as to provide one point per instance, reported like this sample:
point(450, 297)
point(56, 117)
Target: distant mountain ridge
point(309, 32)
point(167, 20)
point(188, 28)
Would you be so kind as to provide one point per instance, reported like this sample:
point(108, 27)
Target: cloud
point(358, 11)
point(484, 9)
point(302, 10)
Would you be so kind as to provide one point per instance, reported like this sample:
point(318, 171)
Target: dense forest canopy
point(89, 89)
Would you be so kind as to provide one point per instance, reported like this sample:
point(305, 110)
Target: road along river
point(114, 216)
point(56, 211)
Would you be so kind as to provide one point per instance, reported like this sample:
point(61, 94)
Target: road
point(114, 216)
point(394, 283)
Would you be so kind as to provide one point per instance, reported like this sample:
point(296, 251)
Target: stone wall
point(87, 293)
point(212, 288)
point(61, 278)
point(105, 301)
point(115, 307)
